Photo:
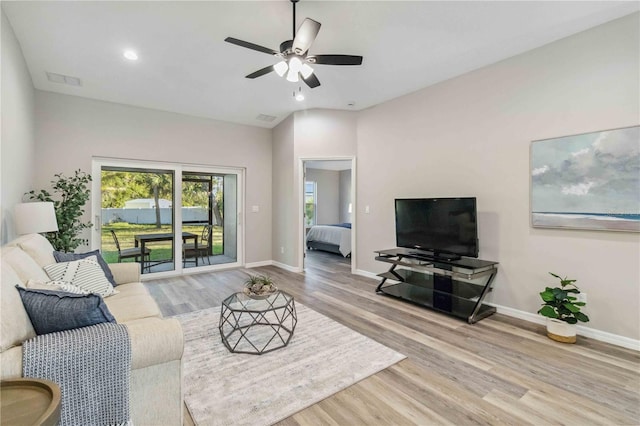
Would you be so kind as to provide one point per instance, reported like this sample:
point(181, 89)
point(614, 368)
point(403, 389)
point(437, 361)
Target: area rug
point(322, 358)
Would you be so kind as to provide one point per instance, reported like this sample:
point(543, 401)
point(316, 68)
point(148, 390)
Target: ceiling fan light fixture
point(292, 75)
point(298, 95)
point(295, 64)
point(281, 68)
point(306, 71)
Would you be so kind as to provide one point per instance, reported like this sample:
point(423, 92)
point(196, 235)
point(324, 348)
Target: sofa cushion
point(36, 246)
point(68, 257)
point(25, 267)
point(85, 273)
point(155, 341)
point(130, 289)
point(133, 307)
point(14, 321)
point(52, 311)
point(124, 273)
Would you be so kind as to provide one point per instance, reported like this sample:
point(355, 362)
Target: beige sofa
point(156, 343)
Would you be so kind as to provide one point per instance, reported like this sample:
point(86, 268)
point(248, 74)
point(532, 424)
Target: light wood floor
point(498, 371)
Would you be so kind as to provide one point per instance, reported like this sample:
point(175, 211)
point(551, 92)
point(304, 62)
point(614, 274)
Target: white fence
point(148, 216)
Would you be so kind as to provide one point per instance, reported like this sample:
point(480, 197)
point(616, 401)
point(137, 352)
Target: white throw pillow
point(84, 273)
point(56, 286)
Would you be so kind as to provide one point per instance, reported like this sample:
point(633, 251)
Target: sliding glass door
point(167, 217)
point(209, 208)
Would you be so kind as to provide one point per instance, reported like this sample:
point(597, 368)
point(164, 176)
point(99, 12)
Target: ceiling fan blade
point(251, 46)
point(260, 72)
point(312, 81)
point(336, 59)
point(305, 36)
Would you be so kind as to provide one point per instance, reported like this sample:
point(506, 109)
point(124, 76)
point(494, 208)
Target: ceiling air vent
point(264, 117)
point(64, 79)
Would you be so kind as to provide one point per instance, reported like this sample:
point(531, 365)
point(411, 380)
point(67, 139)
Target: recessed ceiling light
point(130, 55)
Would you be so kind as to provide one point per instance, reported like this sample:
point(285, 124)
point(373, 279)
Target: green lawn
point(159, 250)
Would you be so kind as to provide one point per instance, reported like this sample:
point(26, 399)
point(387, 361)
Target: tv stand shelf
point(456, 287)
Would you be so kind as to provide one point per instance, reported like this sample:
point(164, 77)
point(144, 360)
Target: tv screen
point(440, 225)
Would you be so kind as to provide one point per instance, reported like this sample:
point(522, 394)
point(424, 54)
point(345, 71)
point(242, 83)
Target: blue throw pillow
point(60, 256)
point(52, 311)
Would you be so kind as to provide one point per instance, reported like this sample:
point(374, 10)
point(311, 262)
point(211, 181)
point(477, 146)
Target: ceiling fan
point(294, 54)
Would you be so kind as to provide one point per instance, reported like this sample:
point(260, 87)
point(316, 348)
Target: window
point(310, 200)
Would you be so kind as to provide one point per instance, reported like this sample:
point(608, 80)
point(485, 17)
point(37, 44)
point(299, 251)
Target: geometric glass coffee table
point(257, 326)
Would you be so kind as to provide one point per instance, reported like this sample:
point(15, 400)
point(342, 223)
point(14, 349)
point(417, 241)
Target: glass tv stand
point(455, 287)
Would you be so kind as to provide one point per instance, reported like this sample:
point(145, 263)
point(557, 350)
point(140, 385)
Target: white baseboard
point(592, 333)
point(259, 264)
point(286, 267)
point(366, 274)
point(273, 263)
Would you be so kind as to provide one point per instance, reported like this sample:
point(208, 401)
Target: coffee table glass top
point(240, 301)
point(257, 325)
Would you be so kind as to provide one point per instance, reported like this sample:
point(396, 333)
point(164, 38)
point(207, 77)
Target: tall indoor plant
point(562, 309)
point(70, 194)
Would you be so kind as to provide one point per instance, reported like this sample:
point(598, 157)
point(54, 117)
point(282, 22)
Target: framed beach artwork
point(587, 181)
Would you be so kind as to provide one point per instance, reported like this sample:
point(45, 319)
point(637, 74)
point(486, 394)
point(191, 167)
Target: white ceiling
point(186, 67)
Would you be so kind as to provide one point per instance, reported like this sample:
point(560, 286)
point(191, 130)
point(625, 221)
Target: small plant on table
point(259, 286)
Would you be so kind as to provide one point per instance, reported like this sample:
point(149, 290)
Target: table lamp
point(37, 217)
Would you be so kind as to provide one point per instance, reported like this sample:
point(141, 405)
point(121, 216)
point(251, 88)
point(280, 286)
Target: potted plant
point(72, 193)
point(562, 309)
point(259, 287)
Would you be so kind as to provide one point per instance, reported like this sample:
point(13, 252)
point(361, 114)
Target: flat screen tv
point(447, 227)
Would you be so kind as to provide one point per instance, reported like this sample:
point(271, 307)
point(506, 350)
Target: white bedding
point(332, 235)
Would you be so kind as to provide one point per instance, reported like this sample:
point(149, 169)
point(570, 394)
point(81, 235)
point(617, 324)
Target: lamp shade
point(37, 217)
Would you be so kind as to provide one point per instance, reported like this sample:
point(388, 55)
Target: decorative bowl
point(263, 293)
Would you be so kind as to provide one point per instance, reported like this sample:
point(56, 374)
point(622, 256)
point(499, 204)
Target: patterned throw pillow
point(51, 311)
point(61, 256)
point(84, 273)
point(56, 285)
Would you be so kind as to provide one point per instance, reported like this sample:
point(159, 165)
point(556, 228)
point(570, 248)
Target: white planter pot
point(561, 331)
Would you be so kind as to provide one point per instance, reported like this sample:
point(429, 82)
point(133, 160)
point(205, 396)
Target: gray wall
point(17, 150)
point(345, 196)
point(328, 192)
point(310, 134)
point(470, 136)
point(284, 215)
point(72, 130)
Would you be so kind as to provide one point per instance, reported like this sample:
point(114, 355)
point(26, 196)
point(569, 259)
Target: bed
point(331, 238)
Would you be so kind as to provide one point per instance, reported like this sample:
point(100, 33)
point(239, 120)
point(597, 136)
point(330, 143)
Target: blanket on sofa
point(92, 367)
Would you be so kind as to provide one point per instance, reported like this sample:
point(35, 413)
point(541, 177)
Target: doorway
point(328, 213)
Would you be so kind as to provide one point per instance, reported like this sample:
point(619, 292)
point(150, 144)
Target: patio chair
point(189, 250)
point(132, 253)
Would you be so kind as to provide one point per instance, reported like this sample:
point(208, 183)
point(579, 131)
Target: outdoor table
point(141, 241)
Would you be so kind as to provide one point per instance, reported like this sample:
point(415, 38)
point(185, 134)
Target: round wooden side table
point(29, 401)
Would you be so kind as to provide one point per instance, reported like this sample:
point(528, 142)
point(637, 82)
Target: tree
point(119, 187)
point(160, 184)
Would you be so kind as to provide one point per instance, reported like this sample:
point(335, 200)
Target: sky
point(588, 173)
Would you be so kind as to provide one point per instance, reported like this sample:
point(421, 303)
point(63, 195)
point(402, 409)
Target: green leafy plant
point(561, 302)
point(71, 194)
point(259, 285)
